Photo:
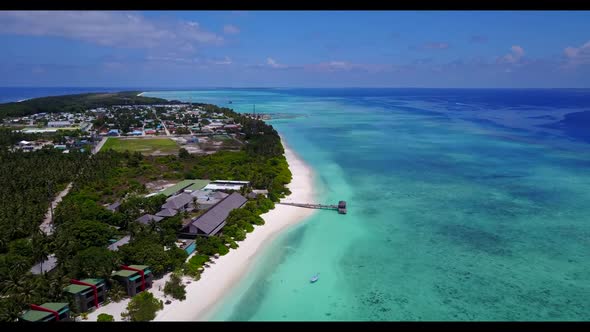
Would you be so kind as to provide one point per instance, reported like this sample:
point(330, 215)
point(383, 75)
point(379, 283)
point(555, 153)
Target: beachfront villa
point(86, 293)
point(134, 278)
point(212, 221)
point(47, 312)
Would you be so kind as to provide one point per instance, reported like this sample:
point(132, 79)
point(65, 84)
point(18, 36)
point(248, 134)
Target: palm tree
point(10, 310)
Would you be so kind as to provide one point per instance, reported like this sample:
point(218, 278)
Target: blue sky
point(296, 49)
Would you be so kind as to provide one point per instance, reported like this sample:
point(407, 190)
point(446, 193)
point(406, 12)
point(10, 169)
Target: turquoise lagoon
point(463, 205)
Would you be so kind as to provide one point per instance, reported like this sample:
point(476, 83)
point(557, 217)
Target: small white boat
point(314, 278)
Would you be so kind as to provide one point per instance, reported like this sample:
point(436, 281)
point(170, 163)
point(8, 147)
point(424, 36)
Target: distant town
point(184, 123)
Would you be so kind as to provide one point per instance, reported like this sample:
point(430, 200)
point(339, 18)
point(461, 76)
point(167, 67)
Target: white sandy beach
point(217, 280)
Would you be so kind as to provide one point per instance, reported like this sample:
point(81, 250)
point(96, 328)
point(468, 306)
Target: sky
point(180, 49)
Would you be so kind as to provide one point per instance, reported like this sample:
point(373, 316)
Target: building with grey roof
point(178, 202)
point(167, 213)
point(147, 218)
point(212, 221)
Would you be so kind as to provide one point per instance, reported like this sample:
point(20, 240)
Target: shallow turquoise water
point(457, 211)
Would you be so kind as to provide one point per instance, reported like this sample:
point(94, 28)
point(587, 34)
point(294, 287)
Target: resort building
point(182, 185)
point(134, 278)
point(226, 185)
point(167, 213)
point(47, 312)
point(212, 221)
point(179, 202)
point(147, 218)
point(86, 293)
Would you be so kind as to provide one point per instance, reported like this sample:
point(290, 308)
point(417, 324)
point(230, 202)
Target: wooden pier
point(341, 207)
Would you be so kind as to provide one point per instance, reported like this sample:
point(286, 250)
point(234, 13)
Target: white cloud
point(577, 55)
point(274, 64)
point(225, 61)
point(231, 29)
point(514, 57)
point(115, 29)
point(333, 66)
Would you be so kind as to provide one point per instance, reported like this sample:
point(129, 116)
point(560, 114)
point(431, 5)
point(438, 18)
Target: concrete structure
point(206, 198)
point(47, 312)
point(123, 241)
point(212, 221)
point(134, 278)
point(47, 265)
point(86, 294)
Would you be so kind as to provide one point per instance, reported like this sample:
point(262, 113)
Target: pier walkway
point(341, 207)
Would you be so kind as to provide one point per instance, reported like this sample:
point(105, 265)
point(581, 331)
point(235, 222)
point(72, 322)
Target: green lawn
point(143, 145)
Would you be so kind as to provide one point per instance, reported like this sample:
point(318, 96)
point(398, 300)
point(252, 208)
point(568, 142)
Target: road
point(47, 227)
point(164, 125)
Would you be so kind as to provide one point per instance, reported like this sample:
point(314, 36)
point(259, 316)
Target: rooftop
point(182, 185)
point(178, 201)
point(198, 185)
point(93, 281)
point(209, 221)
point(147, 218)
point(36, 315)
point(167, 213)
point(75, 289)
point(124, 273)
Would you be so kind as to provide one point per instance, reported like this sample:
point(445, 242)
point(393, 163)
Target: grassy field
point(143, 145)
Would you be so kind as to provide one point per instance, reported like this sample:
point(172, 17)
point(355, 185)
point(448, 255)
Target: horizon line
point(185, 88)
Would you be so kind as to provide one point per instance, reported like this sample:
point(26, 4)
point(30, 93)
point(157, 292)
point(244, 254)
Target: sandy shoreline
point(216, 281)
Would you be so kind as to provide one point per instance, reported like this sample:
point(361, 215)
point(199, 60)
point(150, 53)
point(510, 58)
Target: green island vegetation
point(105, 318)
point(175, 288)
point(76, 103)
point(144, 145)
point(84, 227)
point(142, 308)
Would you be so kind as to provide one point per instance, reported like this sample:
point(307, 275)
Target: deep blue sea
point(464, 204)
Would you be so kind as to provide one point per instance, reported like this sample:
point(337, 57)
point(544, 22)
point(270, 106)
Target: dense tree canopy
point(143, 307)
